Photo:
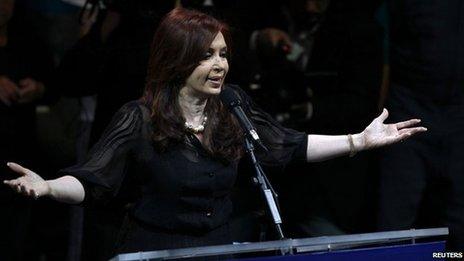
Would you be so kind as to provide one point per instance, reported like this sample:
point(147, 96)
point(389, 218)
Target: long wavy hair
point(179, 45)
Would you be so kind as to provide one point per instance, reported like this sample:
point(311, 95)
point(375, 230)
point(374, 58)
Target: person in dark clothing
point(24, 75)
point(173, 154)
point(422, 187)
point(328, 60)
point(111, 60)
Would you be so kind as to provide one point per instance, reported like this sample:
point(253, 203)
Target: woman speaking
point(177, 148)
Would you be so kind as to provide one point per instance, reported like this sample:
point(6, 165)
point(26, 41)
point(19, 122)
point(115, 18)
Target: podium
point(391, 245)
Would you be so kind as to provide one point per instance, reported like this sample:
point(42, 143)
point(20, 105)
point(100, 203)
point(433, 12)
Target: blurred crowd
point(319, 66)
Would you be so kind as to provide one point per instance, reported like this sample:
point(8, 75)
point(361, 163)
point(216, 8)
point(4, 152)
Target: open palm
point(29, 184)
point(379, 134)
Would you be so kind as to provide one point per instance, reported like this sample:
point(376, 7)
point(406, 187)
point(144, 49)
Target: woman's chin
point(214, 89)
point(216, 92)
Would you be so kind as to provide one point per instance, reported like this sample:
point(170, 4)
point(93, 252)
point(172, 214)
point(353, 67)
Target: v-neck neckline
point(196, 142)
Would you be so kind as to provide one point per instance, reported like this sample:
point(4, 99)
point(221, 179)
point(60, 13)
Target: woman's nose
point(219, 64)
point(218, 67)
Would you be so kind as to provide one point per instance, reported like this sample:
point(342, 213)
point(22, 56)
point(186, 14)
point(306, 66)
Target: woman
point(176, 150)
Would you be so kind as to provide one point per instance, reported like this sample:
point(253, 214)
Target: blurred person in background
point(110, 60)
point(423, 187)
point(323, 63)
point(25, 72)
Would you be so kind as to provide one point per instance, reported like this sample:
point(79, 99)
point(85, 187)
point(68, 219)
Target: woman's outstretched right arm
point(65, 189)
point(99, 177)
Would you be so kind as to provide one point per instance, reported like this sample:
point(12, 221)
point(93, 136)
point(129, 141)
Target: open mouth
point(216, 80)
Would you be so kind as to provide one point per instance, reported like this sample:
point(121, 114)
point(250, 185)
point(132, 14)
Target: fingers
point(29, 184)
point(21, 186)
point(408, 123)
point(404, 134)
point(412, 131)
point(407, 133)
point(14, 183)
point(383, 116)
point(17, 184)
point(18, 168)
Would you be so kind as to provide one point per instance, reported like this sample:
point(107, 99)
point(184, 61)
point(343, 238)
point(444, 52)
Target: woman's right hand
point(29, 184)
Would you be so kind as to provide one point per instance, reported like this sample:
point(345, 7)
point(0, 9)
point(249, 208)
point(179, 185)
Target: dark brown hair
point(179, 45)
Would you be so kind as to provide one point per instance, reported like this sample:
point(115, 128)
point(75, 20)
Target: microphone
point(234, 104)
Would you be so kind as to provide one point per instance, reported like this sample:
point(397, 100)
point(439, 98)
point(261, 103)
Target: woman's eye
point(223, 54)
point(208, 55)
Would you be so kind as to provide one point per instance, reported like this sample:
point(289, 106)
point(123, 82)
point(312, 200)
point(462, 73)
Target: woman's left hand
point(378, 133)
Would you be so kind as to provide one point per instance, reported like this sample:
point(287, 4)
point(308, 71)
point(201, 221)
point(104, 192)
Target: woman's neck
point(192, 106)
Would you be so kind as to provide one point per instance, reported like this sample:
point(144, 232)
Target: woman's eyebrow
point(221, 48)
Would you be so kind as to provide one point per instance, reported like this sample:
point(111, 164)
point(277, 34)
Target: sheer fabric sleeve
point(284, 144)
point(104, 169)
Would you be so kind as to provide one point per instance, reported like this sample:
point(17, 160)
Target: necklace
point(196, 129)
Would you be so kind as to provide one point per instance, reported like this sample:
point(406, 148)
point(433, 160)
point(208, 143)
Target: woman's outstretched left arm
point(377, 134)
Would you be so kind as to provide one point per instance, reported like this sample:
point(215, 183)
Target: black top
point(427, 51)
point(183, 189)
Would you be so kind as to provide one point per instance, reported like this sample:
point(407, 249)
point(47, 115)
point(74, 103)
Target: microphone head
point(229, 98)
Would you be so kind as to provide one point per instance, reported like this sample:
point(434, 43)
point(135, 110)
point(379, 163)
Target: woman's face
point(208, 77)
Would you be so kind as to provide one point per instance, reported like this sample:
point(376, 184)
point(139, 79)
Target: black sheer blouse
point(182, 189)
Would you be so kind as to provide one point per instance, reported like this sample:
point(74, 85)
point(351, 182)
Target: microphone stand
point(266, 187)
